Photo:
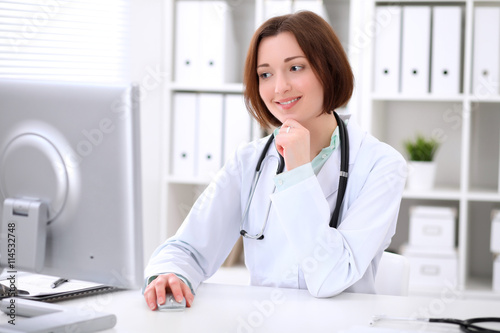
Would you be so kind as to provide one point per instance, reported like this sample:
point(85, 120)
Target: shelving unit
point(468, 124)
point(468, 161)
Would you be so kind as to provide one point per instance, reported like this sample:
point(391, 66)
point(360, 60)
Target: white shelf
point(222, 88)
point(187, 180)
point(478, 287)
point(484, 99)
point(418, 98)
point(487, 2)
point(484, 195)
point(388, 2)
point(462, 2)
point(436, 194)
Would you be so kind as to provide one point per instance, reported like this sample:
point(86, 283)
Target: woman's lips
point(288, 103)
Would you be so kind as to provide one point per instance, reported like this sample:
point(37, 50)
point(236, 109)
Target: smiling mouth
point(289, 102)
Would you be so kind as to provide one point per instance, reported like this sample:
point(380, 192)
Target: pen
point(58, 282)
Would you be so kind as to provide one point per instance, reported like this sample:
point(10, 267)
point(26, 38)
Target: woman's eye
point(296, 68)
point(264, 75)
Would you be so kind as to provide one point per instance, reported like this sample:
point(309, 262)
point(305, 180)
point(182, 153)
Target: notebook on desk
point(39, 288)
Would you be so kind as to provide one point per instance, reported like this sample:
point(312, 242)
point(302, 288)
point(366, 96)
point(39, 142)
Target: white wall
point(147, 71)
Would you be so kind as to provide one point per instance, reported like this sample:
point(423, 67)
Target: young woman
point(296, 76)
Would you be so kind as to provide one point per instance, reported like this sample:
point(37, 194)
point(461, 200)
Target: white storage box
point(496, 274)
point(495, 232)
point(432, 271)
point(432, 227)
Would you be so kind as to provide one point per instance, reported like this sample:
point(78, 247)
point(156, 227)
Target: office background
point(400, 91)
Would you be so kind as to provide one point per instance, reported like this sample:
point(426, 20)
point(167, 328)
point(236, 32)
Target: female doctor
point(296, 75)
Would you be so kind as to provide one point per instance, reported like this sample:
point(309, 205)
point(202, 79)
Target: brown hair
point(321, 47)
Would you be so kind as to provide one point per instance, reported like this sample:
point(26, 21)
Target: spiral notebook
point(39, 288)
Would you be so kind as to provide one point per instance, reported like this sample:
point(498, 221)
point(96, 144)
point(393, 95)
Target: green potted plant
point(422, 167)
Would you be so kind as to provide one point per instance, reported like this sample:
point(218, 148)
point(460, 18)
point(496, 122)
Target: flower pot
point(421, 175)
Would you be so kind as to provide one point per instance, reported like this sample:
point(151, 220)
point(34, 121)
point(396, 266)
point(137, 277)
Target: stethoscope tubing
point(255, 180)
point(467, 325)
point(344, 169)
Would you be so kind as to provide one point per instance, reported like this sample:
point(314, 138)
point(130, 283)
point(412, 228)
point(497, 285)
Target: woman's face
point(287, 83)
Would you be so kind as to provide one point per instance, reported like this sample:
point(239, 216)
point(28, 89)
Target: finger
point(161, 283)
point(285, 129)
point(293, 143)
point(187, 294)
point(289, 125)
point(175, 287)
point(150, 296)
point(280, 149)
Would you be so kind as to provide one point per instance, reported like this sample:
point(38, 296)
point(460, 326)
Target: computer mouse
point(171, 304)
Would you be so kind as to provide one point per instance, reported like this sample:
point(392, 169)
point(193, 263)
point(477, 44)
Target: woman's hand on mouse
point(155, 292)
point(293, 143)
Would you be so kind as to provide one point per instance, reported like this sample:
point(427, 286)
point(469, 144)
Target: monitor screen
point(72, 152)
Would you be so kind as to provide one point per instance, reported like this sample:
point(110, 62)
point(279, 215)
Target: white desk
point(224, 308)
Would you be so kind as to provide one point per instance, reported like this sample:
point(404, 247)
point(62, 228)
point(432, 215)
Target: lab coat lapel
point(328, 177)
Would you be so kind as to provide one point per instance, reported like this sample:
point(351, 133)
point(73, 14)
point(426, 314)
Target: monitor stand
point(46, 318)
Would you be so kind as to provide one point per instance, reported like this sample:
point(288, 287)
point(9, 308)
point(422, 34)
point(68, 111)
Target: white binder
point(387, 49)
point(187, 31)
point(446, 50)
point(485, 76)
point(217, 44)
point(204, 43)
point(209, 135)
point(184, 134)
point(237, 124)
point(415, 55)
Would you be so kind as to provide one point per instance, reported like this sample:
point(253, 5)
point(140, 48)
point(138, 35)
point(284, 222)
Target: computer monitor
point(70, 177)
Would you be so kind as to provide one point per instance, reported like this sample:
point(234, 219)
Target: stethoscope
point(466, 325)
point(344, 164)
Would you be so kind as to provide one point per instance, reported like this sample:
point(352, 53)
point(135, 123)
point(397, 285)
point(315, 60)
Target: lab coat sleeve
point(331, 259)
point(208, 233)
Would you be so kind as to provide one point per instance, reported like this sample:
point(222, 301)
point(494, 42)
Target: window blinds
point(73, 40)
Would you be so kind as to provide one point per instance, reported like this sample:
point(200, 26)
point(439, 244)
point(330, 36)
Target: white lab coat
point(299, 249)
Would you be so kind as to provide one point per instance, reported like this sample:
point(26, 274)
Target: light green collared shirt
point(287, 179)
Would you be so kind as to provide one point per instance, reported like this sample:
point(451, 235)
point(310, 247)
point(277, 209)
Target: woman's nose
point(282, 84)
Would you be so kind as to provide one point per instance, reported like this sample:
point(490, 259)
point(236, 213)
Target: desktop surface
point(231, 308)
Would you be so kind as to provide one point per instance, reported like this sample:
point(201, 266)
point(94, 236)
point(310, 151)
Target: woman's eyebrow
point(285, 61)
point(292, 58)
